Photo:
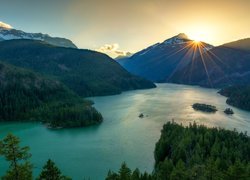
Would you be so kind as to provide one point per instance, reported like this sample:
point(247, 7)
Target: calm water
point(91, 152)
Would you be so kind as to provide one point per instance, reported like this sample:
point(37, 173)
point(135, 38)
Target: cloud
point(113, 50)
point(4, 25)
point(108, 48)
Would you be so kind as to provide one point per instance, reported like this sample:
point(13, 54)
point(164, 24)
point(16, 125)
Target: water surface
point(123, 136)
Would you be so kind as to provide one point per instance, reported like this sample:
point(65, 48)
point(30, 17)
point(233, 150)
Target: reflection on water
point(123, 136)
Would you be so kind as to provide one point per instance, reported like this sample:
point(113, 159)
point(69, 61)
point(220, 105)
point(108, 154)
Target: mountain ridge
point(159, 61)
point(10, 34)
point(86, 72)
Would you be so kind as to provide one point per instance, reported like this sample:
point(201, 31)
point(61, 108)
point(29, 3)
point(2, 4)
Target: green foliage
point(20, 168)
point(87, 73)
point(201, 153)
point(204, 107)
point(51, 172)
point(126, 174)
point(195, 152)
point(25, 95)
point(238, 96)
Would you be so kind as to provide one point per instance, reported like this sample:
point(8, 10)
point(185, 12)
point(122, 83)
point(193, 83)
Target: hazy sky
point(130, 25)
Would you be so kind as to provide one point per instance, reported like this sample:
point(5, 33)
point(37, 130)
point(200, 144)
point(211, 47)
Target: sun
point(196, 41)
point(200, 33)
point(197, 37)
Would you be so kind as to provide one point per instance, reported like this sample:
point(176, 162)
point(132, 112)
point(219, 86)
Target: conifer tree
point(20, 168)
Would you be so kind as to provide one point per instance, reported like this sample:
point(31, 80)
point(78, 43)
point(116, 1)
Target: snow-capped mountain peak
point(8, 33)
point(178, 39)
point(5, 26)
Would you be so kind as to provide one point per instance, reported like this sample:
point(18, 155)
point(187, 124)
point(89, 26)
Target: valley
point(124, 90)
point(123, 136)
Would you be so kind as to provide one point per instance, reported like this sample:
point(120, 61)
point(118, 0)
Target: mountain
point(88, 73)
point(159, 61)
point(219, 67)
point(243, 44)
point(238, 96)
point(9, 34)
point(127, 55)
point(25, 95)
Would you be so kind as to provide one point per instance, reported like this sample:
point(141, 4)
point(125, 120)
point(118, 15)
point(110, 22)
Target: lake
point(123, 136)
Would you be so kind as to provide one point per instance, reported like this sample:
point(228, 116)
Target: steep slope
point(238, 96)
point(88, 73)
point(159, 61)
point(243, 44)
point(127, 55)
point(219, 67)
point(25, 95)
point(9, 34)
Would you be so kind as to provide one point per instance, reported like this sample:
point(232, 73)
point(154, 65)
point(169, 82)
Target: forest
point(28, 96)
point(91, 74)
point(204, 107)
point(195, 152)
point(238, 96)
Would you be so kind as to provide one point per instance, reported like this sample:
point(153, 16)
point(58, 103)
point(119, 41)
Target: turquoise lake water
point(123, 136)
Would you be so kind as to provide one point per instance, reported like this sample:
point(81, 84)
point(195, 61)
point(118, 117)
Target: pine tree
point(124, 172)
point(51, 172)
point(112, 176)
point(136, 174)
point(179, 171)
point(237, 171)
point(20, 168)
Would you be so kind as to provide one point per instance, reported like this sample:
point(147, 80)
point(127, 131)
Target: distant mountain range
point(181, 60)
point(243, 44)
point(9, 34)
point(159, 61)
point(87, 73)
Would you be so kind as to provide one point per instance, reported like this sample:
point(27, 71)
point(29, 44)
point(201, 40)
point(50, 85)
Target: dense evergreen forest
point(238, 96)
point(86, 72)
point(195, 152)
point(25, 95)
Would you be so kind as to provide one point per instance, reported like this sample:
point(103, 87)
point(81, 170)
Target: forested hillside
point(238, 96)
point(25, 95)
point(88, 73)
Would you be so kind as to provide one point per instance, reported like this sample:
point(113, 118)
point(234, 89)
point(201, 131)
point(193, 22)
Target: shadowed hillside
point(25, 95)
point(88, 73)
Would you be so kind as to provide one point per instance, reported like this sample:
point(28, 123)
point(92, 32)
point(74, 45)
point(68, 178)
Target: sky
point(116, 27)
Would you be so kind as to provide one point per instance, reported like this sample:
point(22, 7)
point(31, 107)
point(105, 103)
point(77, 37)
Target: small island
point(204, 108)
point(141, 115)
point(228, 111)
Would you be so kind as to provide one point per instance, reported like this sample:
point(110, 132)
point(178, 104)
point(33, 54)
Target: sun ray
point(192, 62)
point(177, 67)
point(205, 67)
point(172, 53)
point(217, 66)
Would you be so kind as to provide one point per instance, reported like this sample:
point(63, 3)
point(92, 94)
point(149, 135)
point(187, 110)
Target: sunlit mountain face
point(9, 33)
point(160, 61)
point(218, 67)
